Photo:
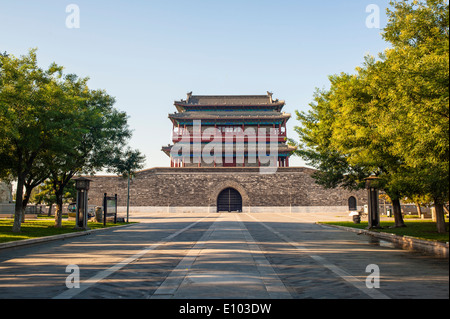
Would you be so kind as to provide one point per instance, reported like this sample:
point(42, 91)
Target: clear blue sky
point(149, 53)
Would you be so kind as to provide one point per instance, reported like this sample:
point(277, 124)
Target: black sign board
point(109, 208)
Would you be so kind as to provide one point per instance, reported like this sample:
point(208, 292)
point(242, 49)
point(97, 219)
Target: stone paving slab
point(403, 274)
point(238, 255)
point(225, 263)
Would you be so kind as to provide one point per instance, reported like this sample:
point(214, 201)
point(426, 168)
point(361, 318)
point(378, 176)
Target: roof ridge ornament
point(270, 96)
point(189, 94)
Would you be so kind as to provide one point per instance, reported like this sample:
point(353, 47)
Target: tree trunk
point(59, 208)
point(419, 209)
point(58, 189)
point(397, 213)
point(440, 219)
point(18, 209)
point(26, 199)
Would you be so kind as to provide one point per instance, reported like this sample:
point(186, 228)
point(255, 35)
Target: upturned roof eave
point(270, 104)
point(208, 116)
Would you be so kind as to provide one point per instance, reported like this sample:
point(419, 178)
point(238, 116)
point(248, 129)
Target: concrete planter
point(434, 248)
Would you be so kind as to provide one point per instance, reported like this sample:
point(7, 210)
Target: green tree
point(340, 137)
point(27, 103)
point(390, 118)
point(53, 126)
point(126, 164)
point(97, 131)
point(315, 145)
point(418, 65)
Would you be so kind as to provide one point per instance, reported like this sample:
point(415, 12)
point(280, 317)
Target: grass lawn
point(420, 228)
point(41, 228)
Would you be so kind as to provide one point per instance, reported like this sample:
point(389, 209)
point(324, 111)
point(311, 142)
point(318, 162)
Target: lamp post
point(128, 196)
point(82, 186)
point(372, 194)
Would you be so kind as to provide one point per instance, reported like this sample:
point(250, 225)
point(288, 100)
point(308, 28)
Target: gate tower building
point(229, 131)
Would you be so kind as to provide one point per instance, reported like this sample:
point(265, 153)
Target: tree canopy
point(52, 127)
point(390, 118)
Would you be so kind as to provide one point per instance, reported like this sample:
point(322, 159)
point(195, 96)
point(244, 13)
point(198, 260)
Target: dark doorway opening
point(352, 203)
point(229, 200)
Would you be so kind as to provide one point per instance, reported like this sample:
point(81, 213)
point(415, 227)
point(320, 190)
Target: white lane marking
point(274, 286)
point(170, 285)
point(70, 293)
point(371, 292)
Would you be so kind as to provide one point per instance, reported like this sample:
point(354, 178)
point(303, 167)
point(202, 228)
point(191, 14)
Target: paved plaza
point(221, 256)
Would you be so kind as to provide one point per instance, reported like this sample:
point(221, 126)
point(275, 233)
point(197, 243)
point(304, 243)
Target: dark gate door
point(229, 200)
point(352, 203)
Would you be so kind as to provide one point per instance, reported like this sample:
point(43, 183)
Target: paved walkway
point(196, 256)
point(225, 263)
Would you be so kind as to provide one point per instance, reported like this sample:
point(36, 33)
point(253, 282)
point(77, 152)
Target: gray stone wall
point(199, 187)
point(5, 192)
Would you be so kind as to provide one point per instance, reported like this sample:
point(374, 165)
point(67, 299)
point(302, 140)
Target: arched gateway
point(229, 200)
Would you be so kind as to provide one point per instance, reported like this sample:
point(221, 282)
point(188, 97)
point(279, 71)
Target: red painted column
point(173, 131)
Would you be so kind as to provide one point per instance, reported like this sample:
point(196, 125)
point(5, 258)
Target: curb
point(437, 249)
point(31, 241)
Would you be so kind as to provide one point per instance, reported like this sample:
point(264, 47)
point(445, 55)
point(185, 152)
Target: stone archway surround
point(224, 185)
